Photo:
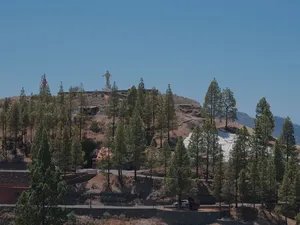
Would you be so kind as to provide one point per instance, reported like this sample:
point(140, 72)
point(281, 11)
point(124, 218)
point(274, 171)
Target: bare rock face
point(190, 109)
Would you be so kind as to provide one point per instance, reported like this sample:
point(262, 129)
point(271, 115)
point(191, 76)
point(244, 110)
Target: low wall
point(189, 217)
point(130, 213)
point(9, 194)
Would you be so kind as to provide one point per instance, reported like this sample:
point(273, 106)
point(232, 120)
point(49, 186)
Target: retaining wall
point(130, 213)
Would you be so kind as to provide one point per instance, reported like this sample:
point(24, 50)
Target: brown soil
point(98, 183)
point(119, 221)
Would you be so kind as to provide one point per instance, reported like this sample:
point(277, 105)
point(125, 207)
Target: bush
point(95, 127)
point(297, 218)
point(71, 219)
point(278, 209)
point(122, 217)
point(106, 215)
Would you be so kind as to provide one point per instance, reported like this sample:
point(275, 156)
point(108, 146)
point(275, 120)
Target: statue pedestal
point(106, 89)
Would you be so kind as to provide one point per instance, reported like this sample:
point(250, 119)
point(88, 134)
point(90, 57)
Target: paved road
point(118, 207)
point(12, 171)
point(137, 206)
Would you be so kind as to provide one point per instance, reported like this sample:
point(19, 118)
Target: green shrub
point(95, 127)
point(297, 218)
point(71, 218)
point(106, 215)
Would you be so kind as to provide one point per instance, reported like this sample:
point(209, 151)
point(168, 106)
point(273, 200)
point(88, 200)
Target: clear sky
point(252, 47)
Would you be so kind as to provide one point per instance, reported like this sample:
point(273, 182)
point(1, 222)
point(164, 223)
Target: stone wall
point(9, 194)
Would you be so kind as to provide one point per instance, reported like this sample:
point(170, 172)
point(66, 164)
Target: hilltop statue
point(107, 76)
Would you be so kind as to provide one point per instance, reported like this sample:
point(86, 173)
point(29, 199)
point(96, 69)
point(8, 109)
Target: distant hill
point(245, 119)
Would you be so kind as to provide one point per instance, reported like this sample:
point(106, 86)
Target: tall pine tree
point(213, 101)
point(119, 148)
point(161, 120)
point(229, 110)
point(169, 111)
point(196, 148)
point(38, 205)
point(136, 139)
point(287, 139)
point(179, 172)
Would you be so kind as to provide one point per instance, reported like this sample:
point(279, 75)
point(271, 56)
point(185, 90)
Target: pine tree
point(253, 180)
point(278, 161)
point(113, 107)
point(287, 138)
point(105, 163)
point(38, 205)
point(32, 117)
point(119, 148)
point(242, 186)
point(239, 156)
point(4, 117)
point(154, 105)
point(77, 153)
point(263, 189)
point(141, 93)
point(179, 172)
point(82, 113)
point(45, 94)
point(70, 109)
point(64, 153)
point(196, 148)
point(151, 157)
point(136, 139)
point(263, 109)
point(271, 180)
point(131, 100)
point(228, 187)
point(264, 126)
point(165, 155)
point(212, 103)
point(287, 188)
point(14, 123)
point(161, 120)
point(218, 177)
point(147, 119)
point(24, 118)
point(169, 111)
point(123, 112)
point(229, 110)
point(297, 187)
point(210, 145)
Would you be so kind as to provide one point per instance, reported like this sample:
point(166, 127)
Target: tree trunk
point(135, 168)
point(179, 198)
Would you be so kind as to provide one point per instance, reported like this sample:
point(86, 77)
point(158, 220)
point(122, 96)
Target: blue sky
point(251, 47)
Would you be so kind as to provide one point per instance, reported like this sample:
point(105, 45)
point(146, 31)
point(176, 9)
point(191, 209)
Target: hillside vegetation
point(142, 128)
